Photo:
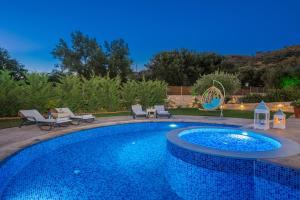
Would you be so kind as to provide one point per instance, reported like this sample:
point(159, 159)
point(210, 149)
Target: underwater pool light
point(173, 125)
point(76, 171)
point(244, 133)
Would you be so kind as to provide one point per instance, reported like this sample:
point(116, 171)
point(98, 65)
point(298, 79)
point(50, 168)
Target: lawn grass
point(124, 113)
point(227, 113)
point(8, 123)
point(177, 111)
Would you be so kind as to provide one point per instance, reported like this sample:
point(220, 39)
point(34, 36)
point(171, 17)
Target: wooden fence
point(187, 90)
point(179, 90)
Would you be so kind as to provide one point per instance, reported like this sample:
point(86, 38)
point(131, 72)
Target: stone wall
point(274, 106)
point(187, 101)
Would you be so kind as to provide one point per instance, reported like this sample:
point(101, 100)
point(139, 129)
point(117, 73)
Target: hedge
point(274, 95)
point(81, 95)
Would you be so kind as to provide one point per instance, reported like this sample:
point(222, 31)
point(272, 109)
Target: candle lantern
point(279, 120)
point(262, 116)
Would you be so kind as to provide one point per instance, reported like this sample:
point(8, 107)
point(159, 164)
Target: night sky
point(29, 30)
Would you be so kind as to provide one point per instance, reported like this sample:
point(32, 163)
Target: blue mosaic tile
point(278, 174)
point(194, 182)
point(195, 175)
point(217, 163)
point(134, 161)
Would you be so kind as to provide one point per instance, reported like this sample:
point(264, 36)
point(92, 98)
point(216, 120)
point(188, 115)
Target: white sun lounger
point(33, 116)
point(161, 112)
point(137, 111)
point(79, 118)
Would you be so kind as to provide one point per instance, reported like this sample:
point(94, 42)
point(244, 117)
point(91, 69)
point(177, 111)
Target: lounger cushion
point(32, 115)
point(72, 115)
point(137, 110)
point(83, 117)
point(163, 112)
point(63, 120)
point(140, 113)
point(159, 108)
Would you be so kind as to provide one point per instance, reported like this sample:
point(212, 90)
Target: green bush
point(251, 98)
point(10, 94)
point(37, 92)
point(69, 92)
point(296, 103)
point(89, 90)
point(109, 93)
point(146, 93)
point(79, 94)
point(278, 95)
point(129, 93)
point(151, 93)
point(274, 95)
point(230, 82)
point(89, 95)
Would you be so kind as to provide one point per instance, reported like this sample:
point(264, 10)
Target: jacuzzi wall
point(276, 182)
point(200, 176)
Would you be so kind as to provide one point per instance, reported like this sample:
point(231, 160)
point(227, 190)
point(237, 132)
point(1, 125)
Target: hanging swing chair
point(213, 98)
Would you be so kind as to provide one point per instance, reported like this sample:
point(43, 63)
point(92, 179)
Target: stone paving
point(15, 139)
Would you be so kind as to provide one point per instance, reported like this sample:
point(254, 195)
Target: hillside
point(266, 58)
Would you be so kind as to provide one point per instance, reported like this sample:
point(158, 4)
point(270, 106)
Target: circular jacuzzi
point(229, 163)
point(229, 139)
point(231, 142)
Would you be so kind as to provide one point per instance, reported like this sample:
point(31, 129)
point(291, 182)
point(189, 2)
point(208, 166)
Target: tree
point(252, 75)
point(230, 82)
point(85, 57)
point(183, 67)
point(117, 53)
point(16, 69)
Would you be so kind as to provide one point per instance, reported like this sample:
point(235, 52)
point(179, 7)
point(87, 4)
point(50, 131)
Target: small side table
point(151, 112)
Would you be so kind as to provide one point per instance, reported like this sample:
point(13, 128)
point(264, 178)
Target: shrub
point(151, 93)
point(129, 93)
point(90, 93)
point(296, 103)
point(252, 98)
point(10, 91)
point(278, 95)
point(69, 92)
point(274, 95)
point(146, 93)
point(230, 82)
point(109, 93)
point(79, 94)
point(37, 92)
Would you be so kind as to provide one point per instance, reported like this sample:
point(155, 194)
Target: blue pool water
point(229, 139)
point(115, 162)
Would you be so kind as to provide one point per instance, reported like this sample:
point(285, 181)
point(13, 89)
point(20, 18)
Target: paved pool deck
point(13, 140)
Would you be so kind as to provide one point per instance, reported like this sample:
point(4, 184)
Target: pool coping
point(288, 147)
point(10, 150)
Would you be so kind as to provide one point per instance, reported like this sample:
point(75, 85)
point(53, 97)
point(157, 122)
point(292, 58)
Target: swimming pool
point(127, 161)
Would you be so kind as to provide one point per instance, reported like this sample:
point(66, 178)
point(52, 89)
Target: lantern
point(262, 116)
point(279, 120)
